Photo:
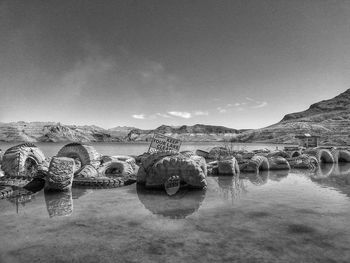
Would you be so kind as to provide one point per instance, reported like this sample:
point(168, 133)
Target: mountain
point(57, 132)
point(198, 132)
point(52, 132)
point(330, 119)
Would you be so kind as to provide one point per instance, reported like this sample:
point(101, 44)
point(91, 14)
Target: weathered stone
point(217, 153)
point(88, 171)
point(255, 164)
point(303, 162)
point(116, 169)
point(228, 167)
point(159, 167)
point(322, 155)
point(61, 173)
point(278, 163)
point(81, 153)
point(278, 154)
point(202, 153)
point(124, 158)
point(22, 161)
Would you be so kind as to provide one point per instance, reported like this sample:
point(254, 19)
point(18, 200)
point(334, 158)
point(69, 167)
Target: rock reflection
point(231, 187)
point(59, 203)
point(324, 170)
point(336, 176)
point(278, 175)
point(342, 169)
point(260, 178)
point(184, 203)
point(23, 195)
point(20, 196)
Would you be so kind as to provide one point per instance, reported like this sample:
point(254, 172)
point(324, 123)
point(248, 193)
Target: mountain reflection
point(184, 203)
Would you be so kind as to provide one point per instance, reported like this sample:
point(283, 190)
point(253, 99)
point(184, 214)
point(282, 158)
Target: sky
point(142, 63)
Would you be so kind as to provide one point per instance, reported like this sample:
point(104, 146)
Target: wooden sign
point(161, 142)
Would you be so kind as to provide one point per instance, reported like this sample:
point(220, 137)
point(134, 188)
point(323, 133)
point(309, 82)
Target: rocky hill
point(329, 119)
point(52, 132)
point(198, 132)
point(57, 132)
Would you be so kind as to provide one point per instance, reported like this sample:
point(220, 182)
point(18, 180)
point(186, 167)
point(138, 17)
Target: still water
point(294, 216)
point(51, 149)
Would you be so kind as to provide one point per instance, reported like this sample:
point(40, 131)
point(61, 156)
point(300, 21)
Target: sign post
point(161, 142)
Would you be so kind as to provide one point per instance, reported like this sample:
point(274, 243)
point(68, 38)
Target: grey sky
point(241, 64)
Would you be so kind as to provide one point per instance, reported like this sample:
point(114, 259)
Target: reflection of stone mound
point(335, 176)
point(343, 168)
point(324, 170)
point(231, 187)
point(184, 203)
point(278, 175)
point(59, 203)
point(78, 192)
point(260, 178)
point(20, 196)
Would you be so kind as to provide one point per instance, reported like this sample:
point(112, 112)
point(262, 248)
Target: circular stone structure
point(22, 161)
point(81, 153)
point(255, 164)
point(322, 155)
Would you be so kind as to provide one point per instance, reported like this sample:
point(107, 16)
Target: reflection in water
point(23, 195)
point(343, 169)
point(336, 176)
point(59, 203)
point(184, 203)
point(278, 175)
point(324, 170)
point(231, 187)
point(20, 196)
point(257, 179)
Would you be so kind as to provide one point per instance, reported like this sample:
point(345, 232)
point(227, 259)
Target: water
point(51, 149)
point(295, 216)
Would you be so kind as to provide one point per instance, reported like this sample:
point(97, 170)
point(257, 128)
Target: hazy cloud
point(163, 115)
point(201, 113)
point(181, 114)
point(256, 103)
point(138, 116)
point(221, 110)
point(261, 105)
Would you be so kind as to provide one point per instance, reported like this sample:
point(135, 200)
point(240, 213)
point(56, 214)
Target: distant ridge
point(329, 119)
point(57, 132)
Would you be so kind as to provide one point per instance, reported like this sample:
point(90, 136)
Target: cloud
point(201, 113)
point(163, 115)
point(139, 116)
point(258, 104)
point(221, 110)
point(261, 105)
point(181, 114)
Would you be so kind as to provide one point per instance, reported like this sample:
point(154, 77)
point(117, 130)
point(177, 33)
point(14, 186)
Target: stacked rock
point(61, 174)
point(158, 167)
